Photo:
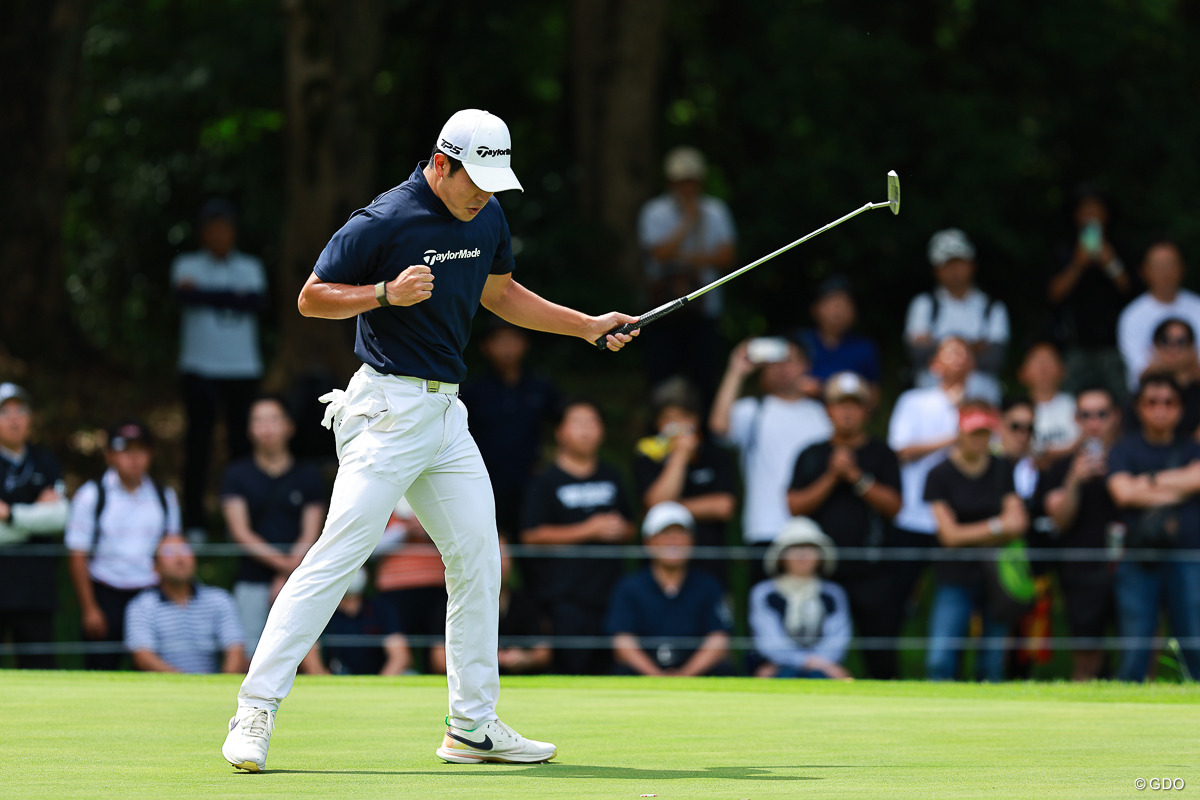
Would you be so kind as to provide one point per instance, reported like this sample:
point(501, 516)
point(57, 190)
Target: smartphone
point(767, 350)
point(1091, 237)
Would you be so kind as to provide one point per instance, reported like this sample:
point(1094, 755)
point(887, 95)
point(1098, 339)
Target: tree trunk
point(331, 51)
point(39, 57)
point(616, 63)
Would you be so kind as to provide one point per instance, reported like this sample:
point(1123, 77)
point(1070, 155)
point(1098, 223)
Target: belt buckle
point(433, 386)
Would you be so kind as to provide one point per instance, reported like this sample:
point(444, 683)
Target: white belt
point(433, 387)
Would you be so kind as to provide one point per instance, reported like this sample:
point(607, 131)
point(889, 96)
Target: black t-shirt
point(712, 470)
point(556, 498)
point(844, 516)
point(971, 500)
point(1087, 317)
point(276, 506)
point(506, 423)
point(1134, 455)
point(1090, 529)
point(27, 583)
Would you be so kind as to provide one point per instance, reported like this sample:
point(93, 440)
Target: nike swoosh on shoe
point(486, 744)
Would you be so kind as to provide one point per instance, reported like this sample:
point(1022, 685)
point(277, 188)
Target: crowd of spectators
point(1079, 482)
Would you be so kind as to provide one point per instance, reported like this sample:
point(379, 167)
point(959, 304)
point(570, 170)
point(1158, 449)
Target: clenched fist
point(411, 286)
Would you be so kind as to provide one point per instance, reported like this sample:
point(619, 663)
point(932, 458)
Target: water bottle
point(1115, 541)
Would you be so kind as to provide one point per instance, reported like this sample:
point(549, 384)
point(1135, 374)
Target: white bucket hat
point(801, 530)
point(481, 142)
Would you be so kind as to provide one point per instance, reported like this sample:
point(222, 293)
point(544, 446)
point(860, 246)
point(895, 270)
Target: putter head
point(893, 191)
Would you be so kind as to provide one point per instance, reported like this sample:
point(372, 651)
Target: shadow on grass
point(573, 771)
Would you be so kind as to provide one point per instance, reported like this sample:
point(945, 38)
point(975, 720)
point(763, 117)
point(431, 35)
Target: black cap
point(832, 285)
point(217, 208)
point(127, 432)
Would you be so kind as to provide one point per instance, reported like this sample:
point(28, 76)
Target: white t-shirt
point(1054, 426)
point(659, 219)
point(219, 342)
point(1135, 327)
point(130, 526)
point(770, 433)
point(921, 416)
point(967, 317)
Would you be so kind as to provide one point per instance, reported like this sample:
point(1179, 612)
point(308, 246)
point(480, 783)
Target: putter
point(893, 202)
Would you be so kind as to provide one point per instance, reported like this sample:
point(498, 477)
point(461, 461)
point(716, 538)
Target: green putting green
point(127, 735)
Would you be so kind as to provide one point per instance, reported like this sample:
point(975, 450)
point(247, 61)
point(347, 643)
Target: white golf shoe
point(249, 737)
point(492, 741)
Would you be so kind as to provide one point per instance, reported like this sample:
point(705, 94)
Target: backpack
point(101, 497)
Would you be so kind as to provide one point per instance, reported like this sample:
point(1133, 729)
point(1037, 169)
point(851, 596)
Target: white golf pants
point(395, 439)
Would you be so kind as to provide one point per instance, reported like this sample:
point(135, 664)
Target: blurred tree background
point(119, 117)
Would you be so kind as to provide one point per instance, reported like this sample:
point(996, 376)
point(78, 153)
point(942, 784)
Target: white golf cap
point(846, 386)
point(665, 514)
point(685, 164)
point(481, 142)
point(948, 245)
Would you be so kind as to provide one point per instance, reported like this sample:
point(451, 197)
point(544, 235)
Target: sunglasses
point(1021, 427)
point(1084, 416)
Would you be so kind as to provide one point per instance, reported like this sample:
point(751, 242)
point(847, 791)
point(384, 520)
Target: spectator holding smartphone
point(1074, 492)
point(769, 431)
point(1087, 291)
point(680, 464)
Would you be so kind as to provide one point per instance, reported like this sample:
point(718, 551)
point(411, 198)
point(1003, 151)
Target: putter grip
point(643, 321)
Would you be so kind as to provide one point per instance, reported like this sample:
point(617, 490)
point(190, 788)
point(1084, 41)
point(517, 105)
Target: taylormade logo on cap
point(481, 141)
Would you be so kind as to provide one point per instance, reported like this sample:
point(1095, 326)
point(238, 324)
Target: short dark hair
point(1043, 341)
point(676, 391)
point(1162, 240)
point(1160, 332)
point(278, 399)
point(455, 164)
point(1013, 400)
point(1159, 379)
point(560, 413)
point(1102, 389)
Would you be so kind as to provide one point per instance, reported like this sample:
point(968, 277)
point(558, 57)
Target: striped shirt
point(190, 637)
point(410, 565)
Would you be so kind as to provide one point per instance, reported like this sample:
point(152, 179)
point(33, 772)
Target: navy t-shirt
point(853, 354)
point(506, 423)
point(359, 658)
point(402, 227)
point(1135, 456)
point(663, 623)
point(28, 583)
point(275, 504)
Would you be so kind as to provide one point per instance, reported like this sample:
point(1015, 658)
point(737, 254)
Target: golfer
point(413, 266)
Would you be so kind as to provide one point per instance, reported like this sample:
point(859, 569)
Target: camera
point(767, 350)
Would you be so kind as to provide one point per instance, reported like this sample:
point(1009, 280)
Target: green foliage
point(989, 111)
point(178, 102)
